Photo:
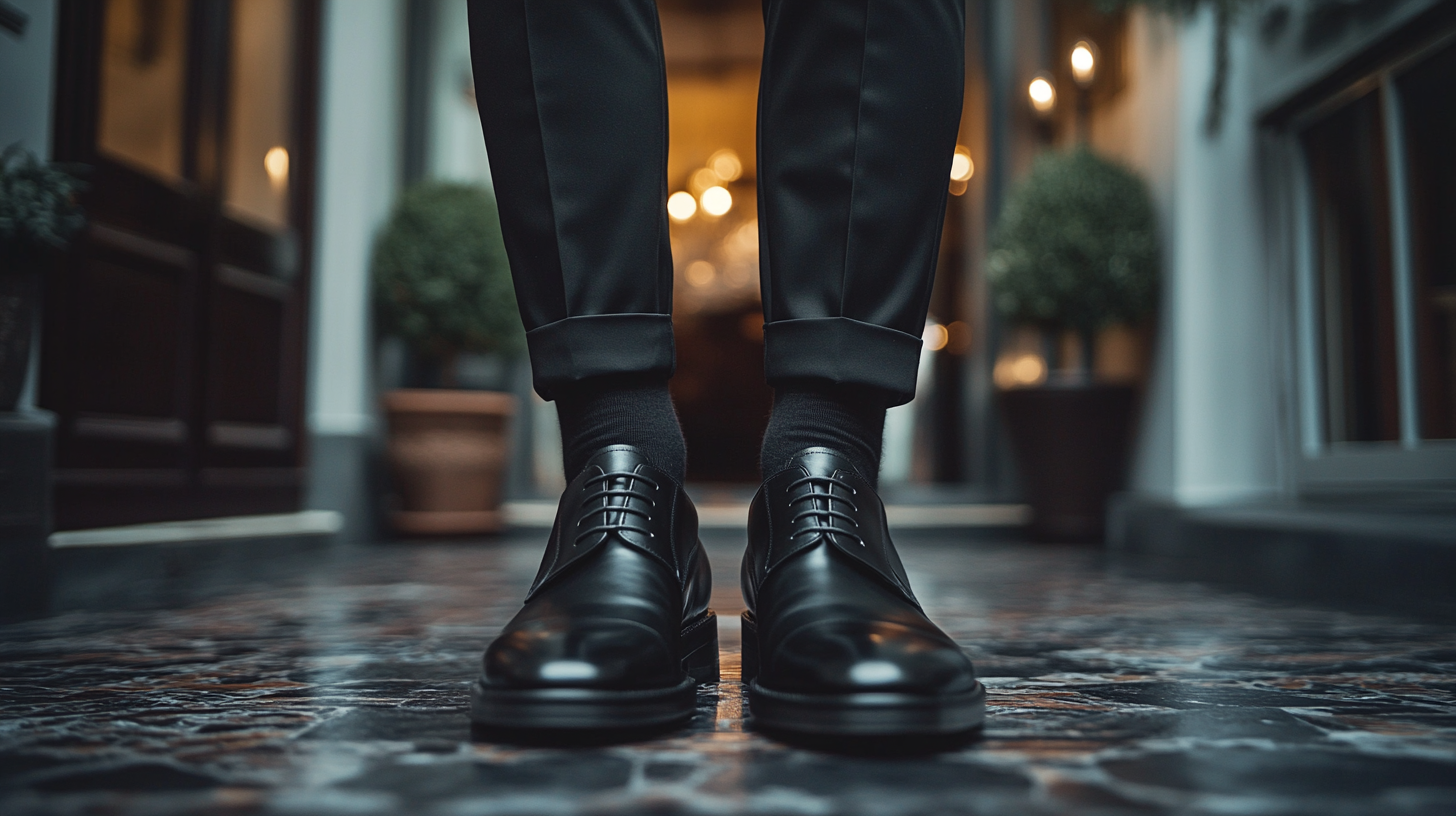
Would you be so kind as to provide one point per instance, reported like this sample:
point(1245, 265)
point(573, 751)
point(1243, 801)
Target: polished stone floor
point(341, 689)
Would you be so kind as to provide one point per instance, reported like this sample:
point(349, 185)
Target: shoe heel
point(700, 649)
point(750, 648)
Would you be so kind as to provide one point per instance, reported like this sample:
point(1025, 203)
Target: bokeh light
point(726, 164)
point(1043, 95)
point(275, 163)
point(700, 273)
point(1084, 62)
point(935, 336)
point(961, 166)
point(717, 201)
point(681, 205)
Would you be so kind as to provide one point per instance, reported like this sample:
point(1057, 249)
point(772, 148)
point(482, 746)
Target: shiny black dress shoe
point(616, 630)
point(834, 642)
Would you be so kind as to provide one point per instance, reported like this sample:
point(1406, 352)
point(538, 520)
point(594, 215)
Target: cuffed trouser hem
point(842, 351)
point(576, 348)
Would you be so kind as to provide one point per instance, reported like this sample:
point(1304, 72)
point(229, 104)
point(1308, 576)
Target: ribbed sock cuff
point(633, 410)
point(845, 418)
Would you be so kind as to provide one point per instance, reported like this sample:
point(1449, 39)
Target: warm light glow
point(935, 336)
point(717, 200)
point(1043, 95)
point(726, 164)
point(961, 166)
point(958, 335)
point(741, 274)
point(700, 273)
point(681, 205)
point(702, 179)
point(275, 162)
point(745, 237)
point(1084, 62)
point(1020, 371)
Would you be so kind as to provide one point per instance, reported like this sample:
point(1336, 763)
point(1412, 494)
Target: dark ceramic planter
point(19, 290)
point(1072, 445)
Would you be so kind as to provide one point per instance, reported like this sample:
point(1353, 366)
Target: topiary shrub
point(1076, 246)
point(442, 281)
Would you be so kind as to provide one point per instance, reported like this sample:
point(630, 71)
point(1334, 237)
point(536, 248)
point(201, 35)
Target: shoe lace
point(821, 519)
point(609, 488)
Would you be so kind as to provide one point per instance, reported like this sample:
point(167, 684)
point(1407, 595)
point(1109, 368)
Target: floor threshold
point(734, 516)
point(303, 523)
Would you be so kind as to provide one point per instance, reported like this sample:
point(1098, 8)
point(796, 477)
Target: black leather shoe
point(616, 630)
point(834, 641)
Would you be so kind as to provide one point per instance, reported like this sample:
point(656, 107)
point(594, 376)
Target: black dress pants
point(859, 105)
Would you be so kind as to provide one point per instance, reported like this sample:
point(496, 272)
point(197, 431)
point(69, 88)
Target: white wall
point(27, 90)
point(1225, 407)
point(27, 77)
point(360, 127)
point(1212, 427)
point(455, 147)
point(1140, 128)
point(1209, 423)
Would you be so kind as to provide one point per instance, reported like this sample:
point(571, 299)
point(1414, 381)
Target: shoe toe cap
point(615, 654)
point(844, 657)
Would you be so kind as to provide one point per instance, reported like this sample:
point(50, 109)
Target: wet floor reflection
point(341, 688)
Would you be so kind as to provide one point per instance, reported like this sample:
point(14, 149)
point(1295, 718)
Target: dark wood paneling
point(175, 335)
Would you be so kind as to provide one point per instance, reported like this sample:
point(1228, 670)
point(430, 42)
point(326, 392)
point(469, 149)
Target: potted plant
point(38, 210)
point(442, 283)
point(1076, 250)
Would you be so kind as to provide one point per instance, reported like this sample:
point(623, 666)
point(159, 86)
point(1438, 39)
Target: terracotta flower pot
point(1072, 445)
point(447, 454)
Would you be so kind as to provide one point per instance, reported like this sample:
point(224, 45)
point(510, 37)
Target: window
point(1382, 217)
point(1426, 94)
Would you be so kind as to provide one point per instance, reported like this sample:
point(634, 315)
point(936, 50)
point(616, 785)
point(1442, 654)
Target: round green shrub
point(1076, 246)
point(37, 203)
point(442, 281)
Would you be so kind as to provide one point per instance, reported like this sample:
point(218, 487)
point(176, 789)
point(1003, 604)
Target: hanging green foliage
point(1225, 12)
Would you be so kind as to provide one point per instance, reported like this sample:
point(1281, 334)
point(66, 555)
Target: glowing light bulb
point(275, 163)
point(717, 200)
point(961, 166)
point(1020, 371)
point(681, 205)
point(935, 336)
point(1084, 62)
point(726, 164)
point(1043, 95)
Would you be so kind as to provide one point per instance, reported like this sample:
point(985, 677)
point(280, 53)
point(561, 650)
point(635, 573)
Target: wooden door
point(175, 329)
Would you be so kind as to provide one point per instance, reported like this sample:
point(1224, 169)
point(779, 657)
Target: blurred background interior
point(208, 348)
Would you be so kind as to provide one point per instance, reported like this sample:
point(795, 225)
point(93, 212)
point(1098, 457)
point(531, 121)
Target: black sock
point(616, 410)
point(846, 419)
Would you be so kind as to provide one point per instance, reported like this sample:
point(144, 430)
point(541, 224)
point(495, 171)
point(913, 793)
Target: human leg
point(858, 110)
point(615, 630)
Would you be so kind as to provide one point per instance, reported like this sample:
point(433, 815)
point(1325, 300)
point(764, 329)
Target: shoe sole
point(865, 714)
point(591, 709)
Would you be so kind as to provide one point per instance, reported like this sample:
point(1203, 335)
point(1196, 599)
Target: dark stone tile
point(364, 724)
point(342, 690)
point(1282, 773)
point(137, 777)
point(854, 775)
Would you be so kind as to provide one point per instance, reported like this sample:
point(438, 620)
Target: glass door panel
point(143, 84)
point(1426, 95)
point(1347, 161)
point(260, 112)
